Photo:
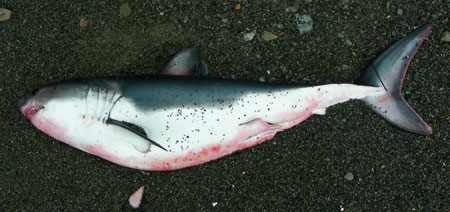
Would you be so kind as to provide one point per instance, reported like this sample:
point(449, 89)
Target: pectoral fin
point(134, 129)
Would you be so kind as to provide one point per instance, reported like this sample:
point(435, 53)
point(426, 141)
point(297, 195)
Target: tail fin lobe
point(388, 70)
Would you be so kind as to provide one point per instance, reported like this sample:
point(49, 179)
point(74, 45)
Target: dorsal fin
point(184, 62)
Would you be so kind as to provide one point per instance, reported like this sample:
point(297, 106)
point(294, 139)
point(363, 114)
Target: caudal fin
point(388, 70)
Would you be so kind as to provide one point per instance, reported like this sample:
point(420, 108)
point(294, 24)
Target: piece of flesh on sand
point(135, 199)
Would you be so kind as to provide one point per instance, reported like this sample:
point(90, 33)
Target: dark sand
point(302, 168)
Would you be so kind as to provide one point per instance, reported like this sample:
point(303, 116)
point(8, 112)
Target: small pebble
point(5, 14)
point(348, 42)
point(291, 9)
point(399, 11)
point(268, 36)
point(416, 77)
point(316, 26)
point(304, 23)
point(349, 176)
point(83, 22)
point(340, 35)
point(344, 68)
point(249, 36)
point(185, 20)
point(238, 7)
point(83, 11)
point(125, 10)
point(445, 36)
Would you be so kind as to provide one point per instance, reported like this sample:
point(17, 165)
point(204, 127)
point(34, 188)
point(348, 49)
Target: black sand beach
point(348, 160)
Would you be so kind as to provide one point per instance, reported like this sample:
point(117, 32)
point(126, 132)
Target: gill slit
point(96, 104)
point(88, 92)
point(99, 103)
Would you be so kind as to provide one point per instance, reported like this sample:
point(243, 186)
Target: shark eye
point(34, 91)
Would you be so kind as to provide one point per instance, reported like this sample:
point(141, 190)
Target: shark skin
point(169, 122)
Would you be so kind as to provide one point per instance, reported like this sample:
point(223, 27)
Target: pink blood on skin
point(180, 71)
point(241, 141)
point(258, 140)
point(100, 151)
point(300, 117)
point(191, 158)
point(54, 130)
point(250, 134)
point(292, 118)
point(210, 152)
point(135, 199)
point(384, 97)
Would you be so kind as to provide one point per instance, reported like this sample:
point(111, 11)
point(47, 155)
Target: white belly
point(194, 135)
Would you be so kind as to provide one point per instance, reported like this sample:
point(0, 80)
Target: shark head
point(33, 102)
point(52, 109)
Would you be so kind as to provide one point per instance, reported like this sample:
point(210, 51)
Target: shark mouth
point(32, 111)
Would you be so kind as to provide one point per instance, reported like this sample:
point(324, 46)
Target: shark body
point(170, 122)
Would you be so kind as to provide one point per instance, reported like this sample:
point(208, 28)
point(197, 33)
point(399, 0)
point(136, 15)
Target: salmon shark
point(170, 122)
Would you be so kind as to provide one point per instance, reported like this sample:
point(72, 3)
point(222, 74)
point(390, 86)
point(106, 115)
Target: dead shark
point(171, 122)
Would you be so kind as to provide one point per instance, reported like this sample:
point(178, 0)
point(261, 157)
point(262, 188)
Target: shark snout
point(22, 101)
